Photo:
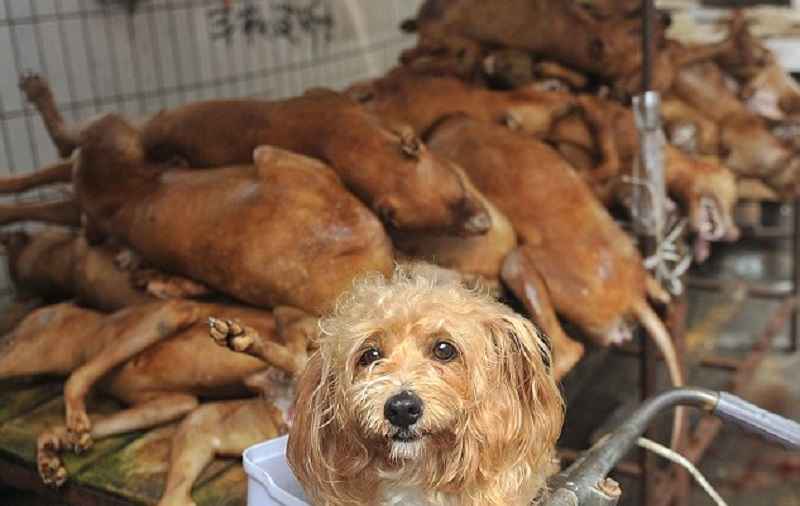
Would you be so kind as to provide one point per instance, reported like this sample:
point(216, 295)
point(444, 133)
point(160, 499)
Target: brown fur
point(492, 415)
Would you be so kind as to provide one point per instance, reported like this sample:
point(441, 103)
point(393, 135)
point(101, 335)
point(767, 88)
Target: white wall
point(99, 57)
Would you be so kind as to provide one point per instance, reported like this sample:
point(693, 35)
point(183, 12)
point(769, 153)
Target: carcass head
point(416, 190)
point(710, 201)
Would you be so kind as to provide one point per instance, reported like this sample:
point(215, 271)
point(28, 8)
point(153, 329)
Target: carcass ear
point(511, 121)
point(264, 155)
point(361, 92)
point(319, 92)
point(410, 143)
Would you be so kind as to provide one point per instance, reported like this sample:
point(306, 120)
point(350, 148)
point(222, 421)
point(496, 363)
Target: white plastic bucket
point(270, 482)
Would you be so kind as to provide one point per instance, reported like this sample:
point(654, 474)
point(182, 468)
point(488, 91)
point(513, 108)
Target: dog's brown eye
point(444, 351)
point(370, 356)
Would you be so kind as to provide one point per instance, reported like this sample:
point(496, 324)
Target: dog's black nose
point(403, 409)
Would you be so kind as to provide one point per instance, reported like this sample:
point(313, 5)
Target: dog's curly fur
point(491, 415)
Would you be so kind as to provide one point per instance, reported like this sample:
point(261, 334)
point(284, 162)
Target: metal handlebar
point(758, 421)
point(581, 484)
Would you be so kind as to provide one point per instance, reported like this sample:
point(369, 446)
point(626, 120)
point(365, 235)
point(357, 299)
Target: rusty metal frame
point(671, 486)
point(775, 290)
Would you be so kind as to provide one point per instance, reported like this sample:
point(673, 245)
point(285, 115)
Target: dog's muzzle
point(404, 409)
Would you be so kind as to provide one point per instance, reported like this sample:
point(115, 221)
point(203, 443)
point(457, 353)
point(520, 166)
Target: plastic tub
point(270, 482)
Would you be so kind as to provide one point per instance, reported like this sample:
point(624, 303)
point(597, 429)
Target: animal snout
point(403, 409)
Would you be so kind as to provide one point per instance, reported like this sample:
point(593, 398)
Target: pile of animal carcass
point(493, 150)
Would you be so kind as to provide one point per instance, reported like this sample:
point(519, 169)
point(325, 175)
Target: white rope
point(679, 459)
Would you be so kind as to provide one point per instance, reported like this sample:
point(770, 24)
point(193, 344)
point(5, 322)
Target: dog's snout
point(403, 409)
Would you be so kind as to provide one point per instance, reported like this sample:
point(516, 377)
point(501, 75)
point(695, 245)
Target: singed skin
point(480, 256)
point(746, 144)
point(678, 115)
point(388, 169)
point(187, 362)
point(420, 101)
point(766, 86)
point(280, 232)
point(590, 266)
point(158, 359)
point(173, 366)
point(693, 182)
point(58, 263)
point(560, 29)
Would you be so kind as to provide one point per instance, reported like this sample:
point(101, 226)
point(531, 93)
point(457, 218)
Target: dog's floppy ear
point(527, 392)
point(321, 452)
point(304, 450)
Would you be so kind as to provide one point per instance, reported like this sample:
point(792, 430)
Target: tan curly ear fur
point(531, 405)
point(322, 450)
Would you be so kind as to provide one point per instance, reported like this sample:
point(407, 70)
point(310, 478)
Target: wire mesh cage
point(136, 57)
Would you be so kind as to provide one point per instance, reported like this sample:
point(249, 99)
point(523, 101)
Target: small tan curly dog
point(425, 393)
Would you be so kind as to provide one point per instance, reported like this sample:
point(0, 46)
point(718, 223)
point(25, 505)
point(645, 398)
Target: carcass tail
point(660, 335)
point(56, 173)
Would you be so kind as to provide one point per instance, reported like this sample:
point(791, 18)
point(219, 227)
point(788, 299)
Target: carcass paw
point(51, 468)
point(230, 334)
point(33, 85)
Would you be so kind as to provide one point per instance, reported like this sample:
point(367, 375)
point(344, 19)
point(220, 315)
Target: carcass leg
point(522, 278)
point(161, 322)
point(168, 286)
point(38, 92)
point(297, 328)
point(216, 429)
point(50, 340)
point(66, 212)
point(234, 335)
point(161, 409)
point(56, 173)
point(606, 142)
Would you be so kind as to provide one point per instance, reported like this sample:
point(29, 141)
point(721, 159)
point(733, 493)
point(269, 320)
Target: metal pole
point(794, 326)
point(648, 46)
point(649, 224)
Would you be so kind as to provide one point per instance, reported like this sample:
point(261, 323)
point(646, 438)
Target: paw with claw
point(33, 86)
point(78, 430)
point(51, 468)
point(230, 334)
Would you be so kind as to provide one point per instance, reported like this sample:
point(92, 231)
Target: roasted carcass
point(590, 268)
point(280, 232)
point(386, 166)
point(58, 264)
point(560, 30)
point(745, 143)
point(158, 358)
